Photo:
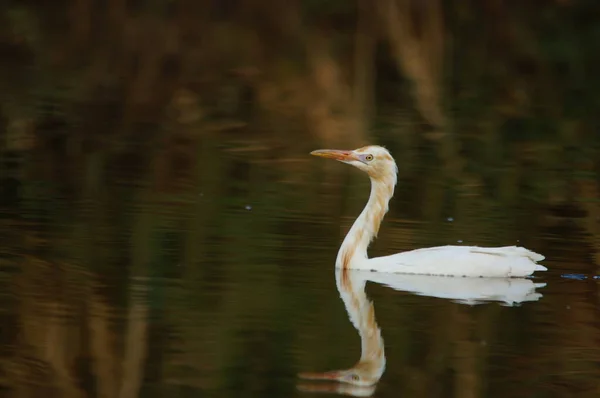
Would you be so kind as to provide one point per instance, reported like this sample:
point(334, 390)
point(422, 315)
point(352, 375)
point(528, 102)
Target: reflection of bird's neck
point(369, 369)
point(367, 224)
point(362, 315)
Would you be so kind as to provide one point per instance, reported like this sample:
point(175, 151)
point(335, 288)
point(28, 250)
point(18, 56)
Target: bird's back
point(472, 261)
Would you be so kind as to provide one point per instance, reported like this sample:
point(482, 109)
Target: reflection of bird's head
point(364, 373)
point(374, 160)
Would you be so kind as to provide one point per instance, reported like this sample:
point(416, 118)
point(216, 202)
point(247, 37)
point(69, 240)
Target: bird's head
point(374, 160)
point(363, 376)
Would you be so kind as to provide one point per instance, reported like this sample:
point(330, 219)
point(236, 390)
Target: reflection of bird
point(362, 378)
point(443, 260)
point(368, 370)
point(471, 291)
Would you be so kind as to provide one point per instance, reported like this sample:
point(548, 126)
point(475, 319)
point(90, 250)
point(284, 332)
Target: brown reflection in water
point(74, 324)
point(208, 107)
point(61, 323)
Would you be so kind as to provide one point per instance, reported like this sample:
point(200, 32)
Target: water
point(228, 289)
point(164, 232)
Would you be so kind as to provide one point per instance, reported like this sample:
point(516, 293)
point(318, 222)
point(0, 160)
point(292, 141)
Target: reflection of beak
point(337, 388)
point(332, 375)
point(344, 156)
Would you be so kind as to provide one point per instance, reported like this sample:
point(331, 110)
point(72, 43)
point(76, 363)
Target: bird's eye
point(355, 377)
point(368, 158)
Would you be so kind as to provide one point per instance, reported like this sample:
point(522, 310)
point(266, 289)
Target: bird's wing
point(461, 261)
point(508, 251)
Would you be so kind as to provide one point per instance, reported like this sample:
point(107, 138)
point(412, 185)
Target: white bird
point(471, 261)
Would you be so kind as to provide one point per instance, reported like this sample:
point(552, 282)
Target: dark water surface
point(228, 289)
point(164, 232)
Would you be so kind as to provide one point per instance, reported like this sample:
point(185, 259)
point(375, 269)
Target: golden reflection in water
point(70, 318)
point(62, 320)
point(215, 114)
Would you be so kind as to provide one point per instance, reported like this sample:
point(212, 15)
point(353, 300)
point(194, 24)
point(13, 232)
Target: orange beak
point(343, 156)
point(332, 375)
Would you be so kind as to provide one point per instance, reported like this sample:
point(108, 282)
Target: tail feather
point(531, 254)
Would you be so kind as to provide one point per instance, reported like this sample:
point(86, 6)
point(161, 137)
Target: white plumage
point(469, 261)
point(508, 261)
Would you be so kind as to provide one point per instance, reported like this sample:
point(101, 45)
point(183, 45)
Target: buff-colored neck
point(365, 228)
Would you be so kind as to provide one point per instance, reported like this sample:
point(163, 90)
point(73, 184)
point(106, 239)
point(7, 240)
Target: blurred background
point(164, 231)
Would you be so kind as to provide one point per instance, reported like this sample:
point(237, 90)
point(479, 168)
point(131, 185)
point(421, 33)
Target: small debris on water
point(248, 207)
point(459, 241)
point(578, 277)
point(450, 219)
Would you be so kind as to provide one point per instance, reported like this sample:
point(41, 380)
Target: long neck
point(365, 228)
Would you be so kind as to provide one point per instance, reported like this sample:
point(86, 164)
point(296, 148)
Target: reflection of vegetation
point(133, 138)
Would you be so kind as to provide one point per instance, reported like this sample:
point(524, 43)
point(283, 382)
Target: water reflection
point(361, 379)
point(338, 388)
point(169, 140)
point(508, 291)
point(364, 375)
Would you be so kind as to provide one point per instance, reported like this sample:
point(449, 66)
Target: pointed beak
point(341, 155)
point(332, 375)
